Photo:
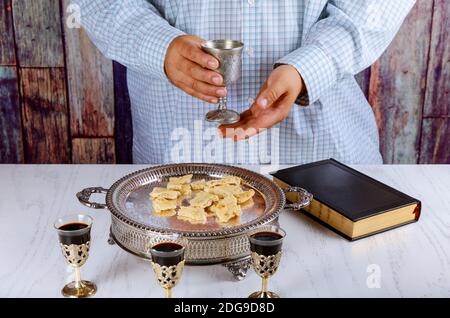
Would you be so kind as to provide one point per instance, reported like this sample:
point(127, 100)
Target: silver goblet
point(228, 52)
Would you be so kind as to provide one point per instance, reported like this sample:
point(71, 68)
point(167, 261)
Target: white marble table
point(411, 261)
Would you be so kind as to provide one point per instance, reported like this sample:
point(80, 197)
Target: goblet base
point(223, 116)
point(86, 289)
point(261, 294)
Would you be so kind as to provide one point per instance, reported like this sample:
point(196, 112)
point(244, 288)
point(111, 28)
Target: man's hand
point(273, 104)
point(192, 70)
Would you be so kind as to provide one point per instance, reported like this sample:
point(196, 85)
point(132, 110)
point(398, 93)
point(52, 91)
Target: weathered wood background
point(62, 102)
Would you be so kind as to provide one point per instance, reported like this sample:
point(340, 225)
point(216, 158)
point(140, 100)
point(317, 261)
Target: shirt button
point(250, 51)
point(251, 101)
point(251, 2)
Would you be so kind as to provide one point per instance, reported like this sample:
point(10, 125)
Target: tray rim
point(221, 233)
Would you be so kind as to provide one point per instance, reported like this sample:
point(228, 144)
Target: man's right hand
point(189, 68)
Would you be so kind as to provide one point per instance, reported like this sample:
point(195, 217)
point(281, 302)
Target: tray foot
point(111, 240)
point(239, 268)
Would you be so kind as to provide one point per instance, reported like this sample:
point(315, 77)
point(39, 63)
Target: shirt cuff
point(154, 46)
point(316, 68)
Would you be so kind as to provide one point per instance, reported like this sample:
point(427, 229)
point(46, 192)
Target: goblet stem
point(78, 283)
point(168, 293)
point(264, 285)
point(222, 103)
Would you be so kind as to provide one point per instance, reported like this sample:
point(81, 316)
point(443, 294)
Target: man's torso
point(168, 124)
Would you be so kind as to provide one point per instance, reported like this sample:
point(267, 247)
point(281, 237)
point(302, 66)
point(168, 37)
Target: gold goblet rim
point(274, 228)
point(174, 238)
point(163, 253)
point(60, 222)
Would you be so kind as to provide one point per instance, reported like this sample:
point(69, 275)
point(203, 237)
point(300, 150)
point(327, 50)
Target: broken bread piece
point(162, 204)
point(192, 214)
point(214, 183)
point(174, 186)
point(247, 204)
point(244, 196)
point(225, 209)
point(184, 189)
point(233, 180)
point(159, 192)
point(198, 185)
point(224, 190)
point(227, 180)
point(233, 221)
point(203, 199)
point(209, 212)
point(181, 180)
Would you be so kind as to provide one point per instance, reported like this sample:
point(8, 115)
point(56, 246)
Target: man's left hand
point(273, 104)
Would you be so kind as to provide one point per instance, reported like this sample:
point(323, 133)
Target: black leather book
point(351, 203)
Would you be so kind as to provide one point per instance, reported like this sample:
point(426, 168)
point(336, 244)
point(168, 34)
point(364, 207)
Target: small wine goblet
point(168, 260)
point(74, 234)
point(265, 247)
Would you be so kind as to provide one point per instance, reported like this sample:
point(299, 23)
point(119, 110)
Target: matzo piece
point(244, 196)
point(181, 180)
point(159, 192)
point(233, 221)
point(203, 199)
point(225, 209)
point(198, 185)
point(233, 180)
point(224, 190)
point(174, 186)
point(227, 180)
point(195, 214)
point(161, 204)
point(184, 189)
point(247, 204)
point(213, 183)
point(209, 212)
point(225, 214)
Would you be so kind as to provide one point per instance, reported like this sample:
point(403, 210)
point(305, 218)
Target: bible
point(347, 201)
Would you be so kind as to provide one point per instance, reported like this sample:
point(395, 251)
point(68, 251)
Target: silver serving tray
point(135, 228)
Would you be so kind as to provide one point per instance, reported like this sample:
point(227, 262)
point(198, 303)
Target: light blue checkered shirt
point(328, 42)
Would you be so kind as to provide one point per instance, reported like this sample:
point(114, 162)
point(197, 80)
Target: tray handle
point(84, 197)
point(304, 198)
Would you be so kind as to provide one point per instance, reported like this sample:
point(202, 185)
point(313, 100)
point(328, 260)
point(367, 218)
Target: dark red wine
point(72, 233)
point(164, 255)
point(265, 243)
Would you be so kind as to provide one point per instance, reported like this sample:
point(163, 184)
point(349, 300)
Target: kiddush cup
point(229, 53)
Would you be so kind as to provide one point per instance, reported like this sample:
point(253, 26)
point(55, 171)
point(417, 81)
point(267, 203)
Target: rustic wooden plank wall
point(61, 101)
point(42, 81)
point(397, 87)
point(11, 148)
point(91, 97)
point(44, 115)
point(7, 51)
point(435, 141)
